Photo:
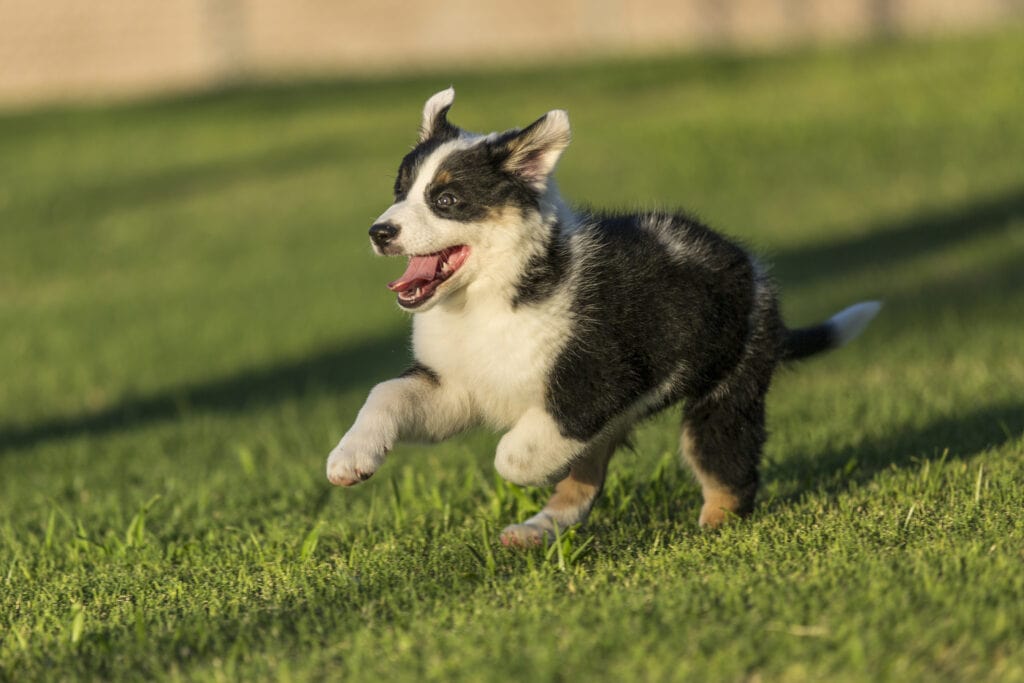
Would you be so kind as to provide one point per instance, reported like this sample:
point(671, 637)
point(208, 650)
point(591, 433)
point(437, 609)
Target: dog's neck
point(553, 209)
point(554, 221)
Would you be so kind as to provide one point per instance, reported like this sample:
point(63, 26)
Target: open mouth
point(425, 274)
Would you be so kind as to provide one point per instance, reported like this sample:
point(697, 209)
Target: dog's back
point(662, 310)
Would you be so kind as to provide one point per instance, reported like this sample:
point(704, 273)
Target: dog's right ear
point(435, 116)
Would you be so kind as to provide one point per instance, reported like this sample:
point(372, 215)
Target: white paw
point(525, 535)
point(355, 459)
point(534, 454)
point(524, 468)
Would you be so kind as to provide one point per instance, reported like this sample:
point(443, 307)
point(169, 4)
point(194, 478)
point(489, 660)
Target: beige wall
point(63, 49)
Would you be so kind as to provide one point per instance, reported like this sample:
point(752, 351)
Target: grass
point(191, 319)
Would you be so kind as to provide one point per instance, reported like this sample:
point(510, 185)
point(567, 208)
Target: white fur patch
point(478, 343)
point(406, 408)
point(534, 452)
point(363, 448)
point(848, 323)
point(433, 107)
point(665, 229)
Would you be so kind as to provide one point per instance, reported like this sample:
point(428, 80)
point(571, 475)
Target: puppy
point(563, 327)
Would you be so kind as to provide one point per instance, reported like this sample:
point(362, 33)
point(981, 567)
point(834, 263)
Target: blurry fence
point(61, 49)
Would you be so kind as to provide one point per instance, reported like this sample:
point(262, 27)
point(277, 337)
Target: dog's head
point(462, 199)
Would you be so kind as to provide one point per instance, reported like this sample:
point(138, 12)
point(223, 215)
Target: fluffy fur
point(562, 328)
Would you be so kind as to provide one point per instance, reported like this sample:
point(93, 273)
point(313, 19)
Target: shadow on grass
point(331, 370)
point(835, 470)
point(890, 244)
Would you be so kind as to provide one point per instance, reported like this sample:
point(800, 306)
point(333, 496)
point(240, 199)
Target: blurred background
point(67, 49)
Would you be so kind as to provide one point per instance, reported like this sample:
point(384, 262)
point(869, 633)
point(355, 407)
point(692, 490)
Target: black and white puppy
point(563, 328)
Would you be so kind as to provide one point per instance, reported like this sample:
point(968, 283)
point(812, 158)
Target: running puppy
point(563, 327)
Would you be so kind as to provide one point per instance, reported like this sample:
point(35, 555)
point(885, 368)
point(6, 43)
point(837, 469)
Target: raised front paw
point(355, 459)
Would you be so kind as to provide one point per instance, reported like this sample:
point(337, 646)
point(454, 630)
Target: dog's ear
point(534, 151)
point(435, 116)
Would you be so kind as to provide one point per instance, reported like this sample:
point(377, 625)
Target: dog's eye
point(446, 200)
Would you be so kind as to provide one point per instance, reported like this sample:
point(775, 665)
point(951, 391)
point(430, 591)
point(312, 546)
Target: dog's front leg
point(534, 452)
point(414, 407)
point(571, 502)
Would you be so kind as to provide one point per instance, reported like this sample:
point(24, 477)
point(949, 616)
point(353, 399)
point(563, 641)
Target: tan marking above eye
point(442, 177)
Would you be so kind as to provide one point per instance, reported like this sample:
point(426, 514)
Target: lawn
point(191, 317)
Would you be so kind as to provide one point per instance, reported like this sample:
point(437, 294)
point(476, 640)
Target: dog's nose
point(383, 233)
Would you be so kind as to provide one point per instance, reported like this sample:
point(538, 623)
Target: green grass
point(191, 318)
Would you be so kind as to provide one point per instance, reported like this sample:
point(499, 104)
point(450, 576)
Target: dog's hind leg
point(722, 441)
point(571, 503)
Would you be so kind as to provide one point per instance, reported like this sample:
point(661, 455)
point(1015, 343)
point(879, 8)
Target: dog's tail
point(841, 328)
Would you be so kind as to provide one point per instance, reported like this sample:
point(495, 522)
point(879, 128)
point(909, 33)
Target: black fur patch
point(725, 442)
point(441, 127)
point(645, 317)
point(412, 161)
point(479, 183)
point(726, 427)
point(544, 271)
point(807, 341)
point(418, 369)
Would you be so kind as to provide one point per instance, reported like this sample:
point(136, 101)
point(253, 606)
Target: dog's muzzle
point(382, 234)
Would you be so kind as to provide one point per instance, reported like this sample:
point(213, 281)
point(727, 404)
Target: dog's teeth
point(419, 291)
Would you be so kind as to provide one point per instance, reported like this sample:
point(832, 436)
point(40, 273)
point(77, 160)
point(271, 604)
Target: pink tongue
point(419, 268)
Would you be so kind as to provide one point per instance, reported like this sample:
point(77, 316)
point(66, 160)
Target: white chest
point(499, 357)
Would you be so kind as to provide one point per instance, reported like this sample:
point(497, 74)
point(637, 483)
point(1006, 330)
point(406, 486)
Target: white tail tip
point(848, 323)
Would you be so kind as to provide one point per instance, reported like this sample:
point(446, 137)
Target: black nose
point(383, 233)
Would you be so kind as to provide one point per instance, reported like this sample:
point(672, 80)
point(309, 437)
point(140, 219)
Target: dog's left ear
point(534, 151)
point(435, 117)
